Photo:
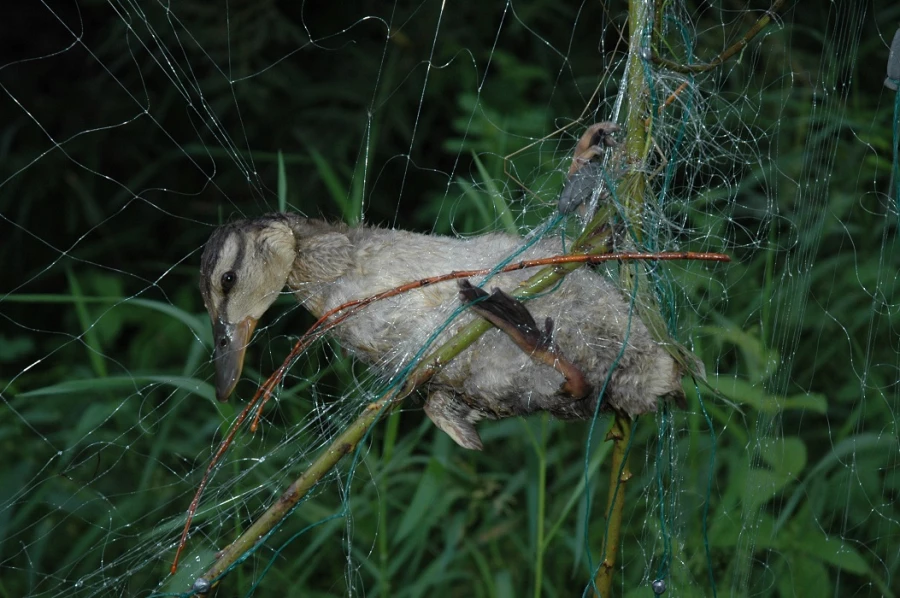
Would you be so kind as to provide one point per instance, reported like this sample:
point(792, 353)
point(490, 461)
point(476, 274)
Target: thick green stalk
point(620, 435)
point(634, 183)
point(632, 189)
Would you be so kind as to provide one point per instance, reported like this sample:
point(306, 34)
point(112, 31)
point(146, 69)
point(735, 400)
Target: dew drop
point(201, 586)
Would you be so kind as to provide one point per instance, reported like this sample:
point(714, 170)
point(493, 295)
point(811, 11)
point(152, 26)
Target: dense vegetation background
point(104, 208)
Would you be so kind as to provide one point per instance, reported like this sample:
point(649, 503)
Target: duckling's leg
point(512, 317)
point(453, 416)
point(580, 187)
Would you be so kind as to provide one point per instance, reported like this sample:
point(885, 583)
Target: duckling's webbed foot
point(512, 317)
point(452, 415)
point(585, 175)
point(593, 143)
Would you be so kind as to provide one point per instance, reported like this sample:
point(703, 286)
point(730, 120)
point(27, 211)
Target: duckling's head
point(244, 266)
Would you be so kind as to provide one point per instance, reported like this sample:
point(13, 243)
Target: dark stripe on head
point(213, 252)
point(210, 258)
point(235, 267)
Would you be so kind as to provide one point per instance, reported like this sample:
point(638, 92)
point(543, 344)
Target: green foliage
point(108, 417)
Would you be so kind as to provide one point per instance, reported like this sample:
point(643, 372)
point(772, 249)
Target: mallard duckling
point(592, 341)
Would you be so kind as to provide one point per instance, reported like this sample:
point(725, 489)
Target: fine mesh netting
point(767, 133)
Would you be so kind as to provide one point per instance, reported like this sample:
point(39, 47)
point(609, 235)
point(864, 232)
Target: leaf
point(850, 447)
point(742, 392)
point(761, 486)
point(475, 199)
point(834, 551)
point(423, 500)
point(15, 347)
point(93, 416)
point(501, 209)
point(577, 492)
point(787, 456)
point(803, 577)
point(198, 325)
point(95, 352)
point(760, 360)
point(728, 527)
point(335, 188)
point(117, 383)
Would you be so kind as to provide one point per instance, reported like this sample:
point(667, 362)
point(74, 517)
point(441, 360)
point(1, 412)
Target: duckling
point(593, 348)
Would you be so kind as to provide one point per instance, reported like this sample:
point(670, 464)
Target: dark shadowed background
point(129, 131)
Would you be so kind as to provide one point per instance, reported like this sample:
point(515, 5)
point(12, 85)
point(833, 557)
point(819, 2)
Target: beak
point(231, 342)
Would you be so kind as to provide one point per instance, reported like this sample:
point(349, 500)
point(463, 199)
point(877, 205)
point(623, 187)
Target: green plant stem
point(595, 239)
point(633, 184)
point(384, 554)
point(620, 435)
point(541, 507)
point(342, 445)
point(540, 451)
point(91, 340)
point(632, 192)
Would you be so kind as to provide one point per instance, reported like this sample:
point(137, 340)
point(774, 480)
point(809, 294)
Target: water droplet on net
point(201, 586)
point(79, 583)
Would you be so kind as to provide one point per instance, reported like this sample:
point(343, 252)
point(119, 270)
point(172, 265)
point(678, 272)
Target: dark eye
point(228, 280)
